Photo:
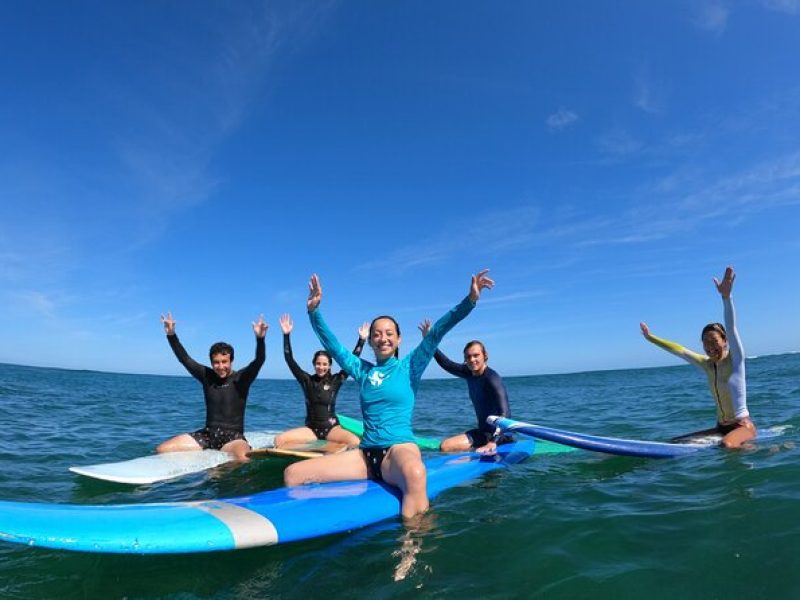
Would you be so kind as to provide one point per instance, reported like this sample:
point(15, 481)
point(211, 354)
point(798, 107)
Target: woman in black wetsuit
point(320, 390)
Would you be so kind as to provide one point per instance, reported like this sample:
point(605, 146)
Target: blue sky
point(604, 159)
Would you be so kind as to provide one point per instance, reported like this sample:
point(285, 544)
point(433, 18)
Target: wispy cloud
point(37, 302)
point(499, 232)
point(618, 143)
point(711, 16)
point(561, 119)
point(647, 96)
point(791, 7)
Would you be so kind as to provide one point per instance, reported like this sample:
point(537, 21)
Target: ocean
point(716, 524)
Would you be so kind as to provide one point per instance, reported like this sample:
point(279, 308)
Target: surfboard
point(271, 517)
point(357, 427)
point(161, 467)
point(611, 445)
point(314, 449)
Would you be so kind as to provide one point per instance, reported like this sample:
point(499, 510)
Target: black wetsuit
point(488, 395)
point(225, 398)
point(320, 392)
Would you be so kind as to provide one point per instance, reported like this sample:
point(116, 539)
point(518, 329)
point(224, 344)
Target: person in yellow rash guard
point(724, 367)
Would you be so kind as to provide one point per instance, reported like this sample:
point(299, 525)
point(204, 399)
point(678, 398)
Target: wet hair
point(476, 343)
point(220, 348)
point(396, 327)
point(324, 353)
point(715, 327)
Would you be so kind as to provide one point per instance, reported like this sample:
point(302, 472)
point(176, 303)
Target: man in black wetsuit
point(487, 392)
point(225, 392)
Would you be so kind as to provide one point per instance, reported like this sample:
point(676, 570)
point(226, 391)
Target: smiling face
point(384, 338)
point(715, 345)
point(475, 358)
point(322, 364)
point(222, 364)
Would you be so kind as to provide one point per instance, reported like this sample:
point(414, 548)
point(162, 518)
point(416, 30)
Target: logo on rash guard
point(376, 379)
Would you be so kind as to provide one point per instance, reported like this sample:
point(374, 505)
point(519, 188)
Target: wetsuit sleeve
point(421, 356)
point(195, 369)
point(350, 364)
point(357, 352)
point(678, 350)
point(454, 368)
point(248, 375)
point(737, 382)
point(298, 373)
point(499, 389)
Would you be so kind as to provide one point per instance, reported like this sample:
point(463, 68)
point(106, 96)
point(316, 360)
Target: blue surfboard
point(266, 518)
point(611, 445)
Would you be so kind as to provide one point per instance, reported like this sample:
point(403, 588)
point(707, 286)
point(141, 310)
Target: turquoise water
point(715, 524)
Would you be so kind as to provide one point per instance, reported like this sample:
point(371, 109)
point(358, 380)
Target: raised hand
point(479, 283)
point(169, 323)
point(645, 329)
point(286, 324)
point(314, 293)
point(725, 287)
point(260, 327)
point(363, 331)
point(424, 327)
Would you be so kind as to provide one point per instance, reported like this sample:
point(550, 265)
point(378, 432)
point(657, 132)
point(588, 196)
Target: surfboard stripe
point(248, 528)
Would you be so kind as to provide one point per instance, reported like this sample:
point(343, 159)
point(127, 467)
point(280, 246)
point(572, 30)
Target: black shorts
point(321, 430)
point(478, 438)
point(374, 459)
point(215, 438)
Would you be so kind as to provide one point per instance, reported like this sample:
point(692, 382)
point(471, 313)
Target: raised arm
point(249, 373)
point(350, 363)
point(736, 382)
point(422, 354)
point(457, 369)
point(672, 347)
point(286, 327)
point(194, 368)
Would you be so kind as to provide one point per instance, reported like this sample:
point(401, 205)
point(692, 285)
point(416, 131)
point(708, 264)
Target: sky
point(604, 159)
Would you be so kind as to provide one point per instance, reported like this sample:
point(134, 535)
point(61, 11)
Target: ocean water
point(717, 524)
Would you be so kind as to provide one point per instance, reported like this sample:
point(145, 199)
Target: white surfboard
point(160, 467)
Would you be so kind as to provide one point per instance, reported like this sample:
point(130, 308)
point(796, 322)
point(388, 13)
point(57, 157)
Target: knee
point(291, 477)
point(280, 439)
point(415, 474)
point(448, 446)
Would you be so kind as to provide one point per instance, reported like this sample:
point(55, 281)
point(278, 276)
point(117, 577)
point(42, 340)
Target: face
point(475, 359)
point(221, 363)
point(715, 345)
point(322, 365)
point(384, 339)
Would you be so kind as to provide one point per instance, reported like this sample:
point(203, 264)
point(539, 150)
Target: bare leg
point(344, 466)
point(457, 443)
point(744, 433)
point(239, 449)
point(180, 443)
point(292, 437)
point(342, 436)
point(403, 467)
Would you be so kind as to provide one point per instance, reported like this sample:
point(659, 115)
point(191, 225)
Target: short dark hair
point(396, 326)
point(220, 348)
point(717, 328)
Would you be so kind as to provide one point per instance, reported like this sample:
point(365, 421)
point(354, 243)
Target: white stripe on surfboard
point(248, 528)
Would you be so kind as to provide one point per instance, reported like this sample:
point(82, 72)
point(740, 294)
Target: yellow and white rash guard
point(726, 379)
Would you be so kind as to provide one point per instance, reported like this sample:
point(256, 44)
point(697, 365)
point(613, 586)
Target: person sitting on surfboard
point(724, 367)
point(320, 390)
point(225, 393)
point(387, 394)
point(486, 390)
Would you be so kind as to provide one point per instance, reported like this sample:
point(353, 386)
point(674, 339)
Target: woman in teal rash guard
point(724, 367)
point(387, 394)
